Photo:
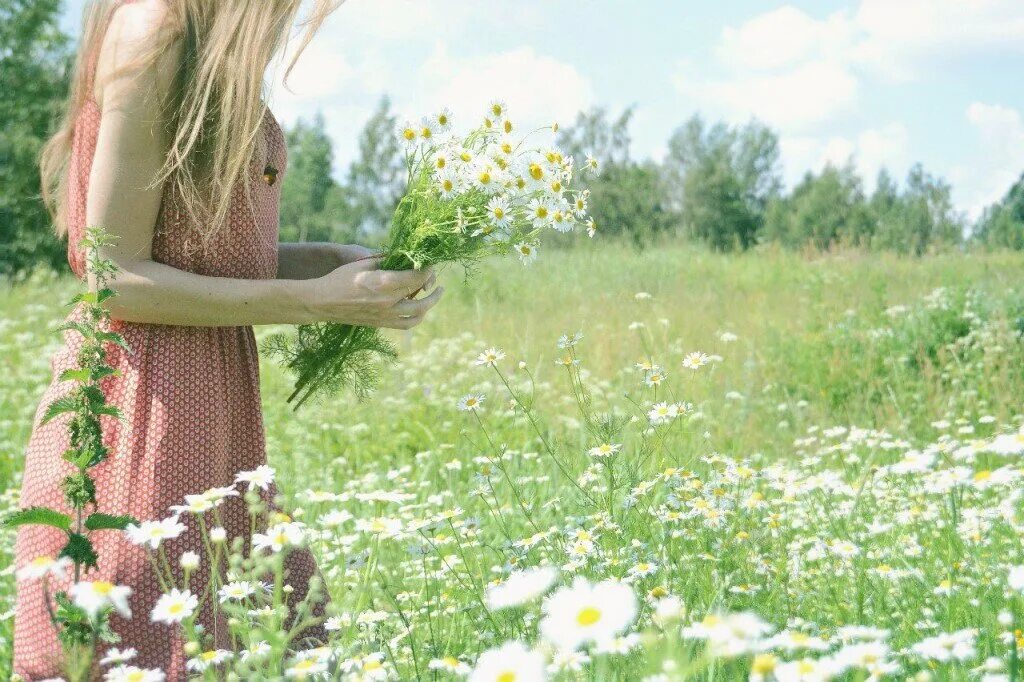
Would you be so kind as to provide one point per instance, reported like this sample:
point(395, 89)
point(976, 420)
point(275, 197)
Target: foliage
point(920, 219)
point(313, 204)
point(823, 212)
point(1002, 225)
point(80, 631)
point(34, 64)
point(376, 179)
point(724, 179)
point(627, 197)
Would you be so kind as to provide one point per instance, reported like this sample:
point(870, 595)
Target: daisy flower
point(521, 587)
point(130, 673)
point(115, 655)
point(511, 661)
point(236, 590)
point(527, 252)
point(92, 596)
point(695, 360)
point(604, 450)
point(43, 566)
point(279, 536)
point(208, 659)
point(261, 477)
point(470, 402)
point(498, 211)
point(174, 607)
point(449, 664)
point(539, 211)
point(153, 533)
point(586, 612)
point(490, 357)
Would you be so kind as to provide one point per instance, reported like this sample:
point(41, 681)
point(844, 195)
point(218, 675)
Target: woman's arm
point(122, 199)
point(307, 260)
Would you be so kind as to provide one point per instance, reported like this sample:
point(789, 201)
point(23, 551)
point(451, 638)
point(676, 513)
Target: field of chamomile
point(667, 465)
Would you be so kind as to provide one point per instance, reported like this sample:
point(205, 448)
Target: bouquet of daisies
point(468, 197)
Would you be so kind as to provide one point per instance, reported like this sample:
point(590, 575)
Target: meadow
point(716, 467)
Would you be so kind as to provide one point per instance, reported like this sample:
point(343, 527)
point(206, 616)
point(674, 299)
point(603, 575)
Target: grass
point(793, 489)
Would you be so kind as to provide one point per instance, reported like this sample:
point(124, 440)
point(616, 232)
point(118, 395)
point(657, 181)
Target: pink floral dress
point(191, 401)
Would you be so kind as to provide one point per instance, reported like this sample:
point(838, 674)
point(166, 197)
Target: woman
point(168, 145)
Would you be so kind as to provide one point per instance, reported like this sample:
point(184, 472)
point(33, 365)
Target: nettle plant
point(79, 627)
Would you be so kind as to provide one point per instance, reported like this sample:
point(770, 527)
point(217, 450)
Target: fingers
point(408, 313)
point(411, 307)
point(404, 282)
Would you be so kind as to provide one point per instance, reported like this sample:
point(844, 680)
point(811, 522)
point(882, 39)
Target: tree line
point(718, 184)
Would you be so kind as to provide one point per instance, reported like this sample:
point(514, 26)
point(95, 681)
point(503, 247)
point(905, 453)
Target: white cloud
point(537, 88)
point(870, 150)
point(783, 37)
point(792, 100)
point(799, 73)
point(997, 163)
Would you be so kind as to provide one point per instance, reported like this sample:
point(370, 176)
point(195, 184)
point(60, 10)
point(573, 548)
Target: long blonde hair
point(217, 106)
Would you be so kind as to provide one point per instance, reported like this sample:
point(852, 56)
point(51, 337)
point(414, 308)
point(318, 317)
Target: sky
point(886, 83)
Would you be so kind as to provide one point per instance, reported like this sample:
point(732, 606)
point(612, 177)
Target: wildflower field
point(614, 465)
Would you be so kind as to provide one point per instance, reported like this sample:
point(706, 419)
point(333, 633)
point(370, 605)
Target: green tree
point(626, 197)
point(313, 206)
point(34, 63)
point(376, 179)
point(722, 179)
point(1002, 225)
point(824, 211)
point(920, 219)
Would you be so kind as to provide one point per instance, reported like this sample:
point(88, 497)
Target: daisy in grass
point(130, 673)
point(512, 661)
point(471, 403)
point(527, 252)
point(490, 357)
point(729, 635)
point(44, 566)
point(586, 612)
point(92, 596)
point(604, 450)
point(114, 655)
point(521, 587)
point(261, 477)
point(278, 537)
point(236, 591)
point(208, 660)
point(153, 533)
point(174, 607)
point(695, 360)
point(450, 664)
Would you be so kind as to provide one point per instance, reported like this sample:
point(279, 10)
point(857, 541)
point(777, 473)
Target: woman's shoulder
point(142, 41)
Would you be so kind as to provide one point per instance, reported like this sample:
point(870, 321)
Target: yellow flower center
point(102, 587)
point(208, 655)
point(175, 609)
point(409, 134)
point(499, 212)
point(426, 132)
point(485, 178)
point(440, 163)
point(507, 676)
point(542, 212)
point(466, 156)
point(508, 126)
point(536, 172)
point(448, 185)
point(373, 664)
point(42, 561)
point(763, 663)
point(588, 615)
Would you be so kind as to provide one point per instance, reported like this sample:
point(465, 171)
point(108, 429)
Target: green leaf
point(112, 337)
point(60, 406)
point(99, 521)
point(80, 550)
point(103, 294)
point(80, 327)
point(40, 516)
point(75, 375)
point(110, 410)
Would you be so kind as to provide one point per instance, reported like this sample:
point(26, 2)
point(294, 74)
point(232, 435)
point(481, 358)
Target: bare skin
point(316, 282)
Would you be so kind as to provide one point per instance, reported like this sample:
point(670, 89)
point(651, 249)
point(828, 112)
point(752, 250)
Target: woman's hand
point(362, 294)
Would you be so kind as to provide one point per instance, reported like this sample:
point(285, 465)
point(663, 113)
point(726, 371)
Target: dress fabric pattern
point(191, 401)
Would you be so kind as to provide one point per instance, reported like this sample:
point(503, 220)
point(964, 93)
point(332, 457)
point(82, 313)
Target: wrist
point(301, 300)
